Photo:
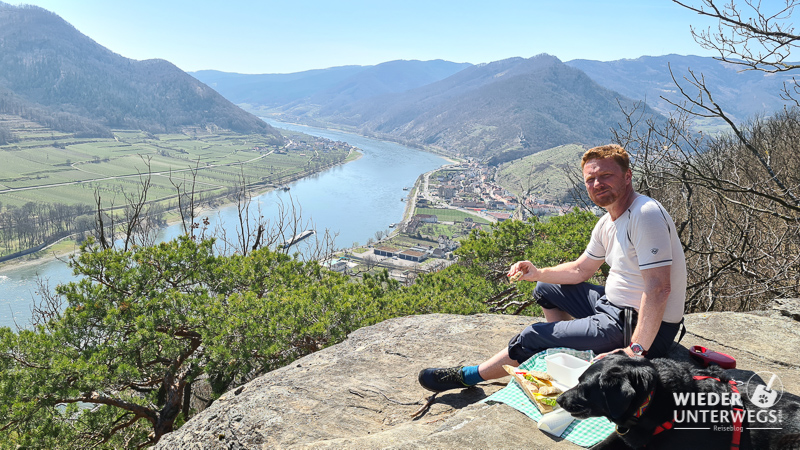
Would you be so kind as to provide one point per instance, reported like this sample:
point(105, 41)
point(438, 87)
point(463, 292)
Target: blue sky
point(294, 35)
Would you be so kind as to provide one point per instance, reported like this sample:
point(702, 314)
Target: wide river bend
point(354, 200)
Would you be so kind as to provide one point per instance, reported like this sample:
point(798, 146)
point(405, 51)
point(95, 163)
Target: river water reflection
point(353, 200)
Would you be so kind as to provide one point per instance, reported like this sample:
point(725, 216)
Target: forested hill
point(502, 110)
point(498, 111)
point(52, 74)
point(742, 93)
point(327, 88)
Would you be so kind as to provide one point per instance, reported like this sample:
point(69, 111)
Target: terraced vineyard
point(541, 173)
point(49, 180)
point(50, 167)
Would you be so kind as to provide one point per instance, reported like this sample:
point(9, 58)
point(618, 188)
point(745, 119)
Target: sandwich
point(538, 386)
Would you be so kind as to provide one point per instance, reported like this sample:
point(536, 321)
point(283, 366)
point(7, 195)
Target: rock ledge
point(361, 393)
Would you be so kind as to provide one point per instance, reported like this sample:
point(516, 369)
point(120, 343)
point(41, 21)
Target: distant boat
point(392, 225)
point(285, 188)
point(406, 188)
point(297, 239)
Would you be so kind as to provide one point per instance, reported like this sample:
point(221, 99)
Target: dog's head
point(612, 387)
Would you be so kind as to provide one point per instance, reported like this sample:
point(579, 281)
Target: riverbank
point(353, 130)
point(351, 202)
point(65, 247)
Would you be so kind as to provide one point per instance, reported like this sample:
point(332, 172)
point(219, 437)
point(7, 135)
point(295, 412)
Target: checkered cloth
point(585, 432)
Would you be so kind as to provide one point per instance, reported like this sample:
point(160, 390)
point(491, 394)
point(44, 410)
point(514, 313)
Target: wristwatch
point(638, 350)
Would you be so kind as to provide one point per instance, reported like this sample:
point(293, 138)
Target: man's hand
point(625, 350)
point(522, 270)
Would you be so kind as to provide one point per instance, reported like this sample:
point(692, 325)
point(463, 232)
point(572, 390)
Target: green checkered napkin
point(585, 432)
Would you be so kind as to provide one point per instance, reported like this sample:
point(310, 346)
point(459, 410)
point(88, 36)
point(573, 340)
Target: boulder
point(363, 392)
point(789, 307)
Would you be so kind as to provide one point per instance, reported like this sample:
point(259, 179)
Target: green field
point(436, 229)
point(405, 241)
point(450, 215)
point(51, 167)
point(541, 174)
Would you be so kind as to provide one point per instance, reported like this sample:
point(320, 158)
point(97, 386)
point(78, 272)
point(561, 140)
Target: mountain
point(51, 73)
point(330, 88)
point(742, 94)
point(497, 111)
point(269, 90)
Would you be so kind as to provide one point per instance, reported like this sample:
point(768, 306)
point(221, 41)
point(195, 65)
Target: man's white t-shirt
point(643, 237)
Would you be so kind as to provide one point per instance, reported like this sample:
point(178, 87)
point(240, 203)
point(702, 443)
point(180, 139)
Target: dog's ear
point(617, 390)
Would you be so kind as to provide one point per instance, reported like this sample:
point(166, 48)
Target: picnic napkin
point(585, 432)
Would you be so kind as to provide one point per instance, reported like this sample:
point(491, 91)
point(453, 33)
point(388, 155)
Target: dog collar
point(626, 426)
point(641, 409)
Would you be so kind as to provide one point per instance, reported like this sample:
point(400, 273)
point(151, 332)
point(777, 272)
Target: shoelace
point(450, 375)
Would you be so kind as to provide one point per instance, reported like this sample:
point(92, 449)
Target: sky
point(267, 36)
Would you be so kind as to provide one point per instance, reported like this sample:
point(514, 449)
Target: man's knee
point(543, 291)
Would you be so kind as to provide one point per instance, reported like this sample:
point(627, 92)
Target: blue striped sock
point(471, 375)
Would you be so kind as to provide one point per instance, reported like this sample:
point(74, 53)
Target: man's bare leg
point(493, 367)
point(555, 315)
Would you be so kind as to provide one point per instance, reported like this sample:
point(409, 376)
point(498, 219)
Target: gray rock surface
point(789, 307)
point(362, 392)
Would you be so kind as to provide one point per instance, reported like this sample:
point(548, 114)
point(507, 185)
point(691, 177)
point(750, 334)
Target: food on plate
point(538, 386)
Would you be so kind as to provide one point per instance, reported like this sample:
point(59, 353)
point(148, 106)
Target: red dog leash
point(737, 418)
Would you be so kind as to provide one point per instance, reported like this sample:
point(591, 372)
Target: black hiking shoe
point(440, 380)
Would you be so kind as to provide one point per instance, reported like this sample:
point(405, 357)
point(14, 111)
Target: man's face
point(605, 180)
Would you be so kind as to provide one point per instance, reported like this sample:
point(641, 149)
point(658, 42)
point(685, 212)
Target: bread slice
point(531, 389)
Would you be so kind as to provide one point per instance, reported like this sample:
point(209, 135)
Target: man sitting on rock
point(638, 240)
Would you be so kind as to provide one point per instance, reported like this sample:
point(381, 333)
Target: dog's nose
point(564, 400)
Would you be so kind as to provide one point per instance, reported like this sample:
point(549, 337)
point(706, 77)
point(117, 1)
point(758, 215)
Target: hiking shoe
point(440, 380)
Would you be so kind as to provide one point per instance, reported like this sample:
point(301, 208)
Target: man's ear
point(618, 393)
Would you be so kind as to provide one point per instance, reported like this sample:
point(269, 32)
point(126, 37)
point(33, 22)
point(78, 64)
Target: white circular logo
point(761, 395)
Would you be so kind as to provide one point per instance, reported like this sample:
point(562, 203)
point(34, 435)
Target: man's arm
point(651, 310)
point(572, 272)
point(654, 303)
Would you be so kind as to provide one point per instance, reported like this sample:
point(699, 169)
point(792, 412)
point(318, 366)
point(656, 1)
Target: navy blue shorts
point(597, 324)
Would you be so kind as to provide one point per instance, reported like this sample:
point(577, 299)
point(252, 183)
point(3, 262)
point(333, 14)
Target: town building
point(386, 250)
point(412, 255)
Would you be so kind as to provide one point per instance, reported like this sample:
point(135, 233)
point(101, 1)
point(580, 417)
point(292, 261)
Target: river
point(353, 200)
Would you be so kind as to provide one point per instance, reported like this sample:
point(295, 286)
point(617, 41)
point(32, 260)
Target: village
point(443, 207)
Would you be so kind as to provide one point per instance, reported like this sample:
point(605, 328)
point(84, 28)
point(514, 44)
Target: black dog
point(660, 404)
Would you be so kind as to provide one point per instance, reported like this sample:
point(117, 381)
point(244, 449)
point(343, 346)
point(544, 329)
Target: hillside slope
point(271, 90)
point(327, 88)
point(515, 107)
point(541, 175)
point(50, 71)
point(741, 93)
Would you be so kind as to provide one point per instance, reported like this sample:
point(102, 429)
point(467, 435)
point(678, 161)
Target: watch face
point(637, 349)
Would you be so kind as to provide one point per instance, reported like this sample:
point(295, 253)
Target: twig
point(424, 408)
